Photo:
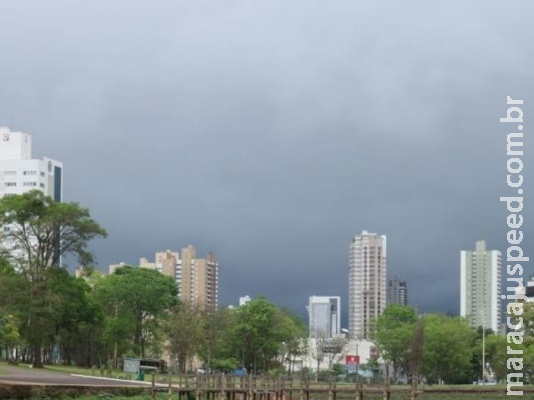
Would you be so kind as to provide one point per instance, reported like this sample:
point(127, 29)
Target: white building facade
point(367, 282)
point(324, 314)
point(20, 173)
point(350, 352)
point(480, 287)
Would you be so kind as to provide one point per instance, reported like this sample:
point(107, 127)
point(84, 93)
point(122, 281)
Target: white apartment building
point(367, 282)
point(20, 173)
point(324, 314)
point(480, 286)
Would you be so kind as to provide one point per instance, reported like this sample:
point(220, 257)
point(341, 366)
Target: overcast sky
point(271, 132)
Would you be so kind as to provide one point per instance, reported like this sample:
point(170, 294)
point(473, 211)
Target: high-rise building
point(480, 286)
point(20, 173)
point(397, 292)
point(367, 282)
point(324, 314)
point(197, 278)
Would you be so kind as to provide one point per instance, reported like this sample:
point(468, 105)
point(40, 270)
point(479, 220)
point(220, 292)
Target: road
point(22, 376)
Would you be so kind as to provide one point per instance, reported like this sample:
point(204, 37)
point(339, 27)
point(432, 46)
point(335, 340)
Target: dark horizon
point(271, 134)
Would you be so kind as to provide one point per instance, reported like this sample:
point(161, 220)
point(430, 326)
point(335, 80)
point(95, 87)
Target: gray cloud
point(272, 133)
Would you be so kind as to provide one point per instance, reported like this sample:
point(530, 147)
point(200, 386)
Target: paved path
point(22, 376)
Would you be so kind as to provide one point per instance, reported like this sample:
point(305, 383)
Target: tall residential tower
point(480, 286)
point(367, 282)
point(197, 278)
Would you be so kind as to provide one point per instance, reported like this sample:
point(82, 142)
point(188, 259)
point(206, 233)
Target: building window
point(29, 173)
point(11, 184)
point(6, 173)
point(30, 184)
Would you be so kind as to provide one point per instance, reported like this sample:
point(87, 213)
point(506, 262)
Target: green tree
point(257, 335)
point(38, 231)
point(73, 316)
point(13, 306)
point(394, 331)
point(134, 299)
point(10, 337)
point(496, 357)
point(337, 369)
point(448, 349)
point(295, 332)
point(215, 324)
point(182, 328)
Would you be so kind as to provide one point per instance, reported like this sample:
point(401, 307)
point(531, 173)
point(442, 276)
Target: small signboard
point(131, 365)
point(352, 360)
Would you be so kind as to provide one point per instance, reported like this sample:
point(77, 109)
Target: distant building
point(397, 292)
point(367, 282)
point(480, 287)
point(324, 316)
point(244, 300)
point(529, 289)
point(196, 278)
point(20, 173)
point(349, 354)
point(113, 267)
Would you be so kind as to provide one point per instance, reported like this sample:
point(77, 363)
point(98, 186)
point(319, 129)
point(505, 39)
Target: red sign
point(355, 360)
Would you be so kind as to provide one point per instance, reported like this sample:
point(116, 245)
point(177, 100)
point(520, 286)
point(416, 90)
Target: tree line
point(50, 316)
point(450, 350)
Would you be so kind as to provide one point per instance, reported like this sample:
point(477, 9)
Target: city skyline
point(272, 140)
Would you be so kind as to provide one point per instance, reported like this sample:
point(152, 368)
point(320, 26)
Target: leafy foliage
point(37, 232)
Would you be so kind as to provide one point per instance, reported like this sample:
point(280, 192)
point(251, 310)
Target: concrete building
point(20, 173)
point(528, 289)
point(397, 292)
point(480, 286)
point(324, 314)
point(113, 267)
point(197, 278)
point(350, 351)
point(367, 282)
point(244, 300)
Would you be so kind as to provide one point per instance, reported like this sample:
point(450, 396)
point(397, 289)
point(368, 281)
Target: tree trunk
point(37, 356)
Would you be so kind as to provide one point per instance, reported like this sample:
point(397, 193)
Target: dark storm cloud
point(271, 133)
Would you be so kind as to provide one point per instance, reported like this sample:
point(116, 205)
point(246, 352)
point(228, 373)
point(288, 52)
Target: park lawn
point(64, 369)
